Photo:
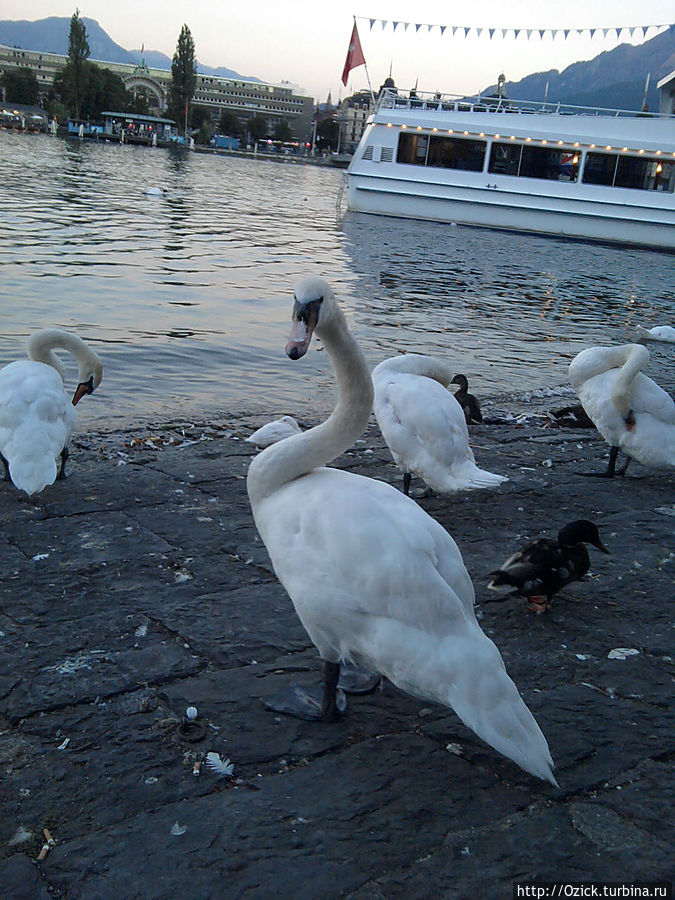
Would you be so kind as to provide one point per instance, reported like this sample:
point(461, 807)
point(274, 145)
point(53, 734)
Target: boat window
point(412, 148)
point(441, 152)
point(456, 153)
point(505, 159)
point(600, 168)
point(645, 174)
point(543, 162)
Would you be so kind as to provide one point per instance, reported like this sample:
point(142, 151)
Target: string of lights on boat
point(527, 140)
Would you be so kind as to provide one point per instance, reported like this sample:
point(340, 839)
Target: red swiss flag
point(355, 55)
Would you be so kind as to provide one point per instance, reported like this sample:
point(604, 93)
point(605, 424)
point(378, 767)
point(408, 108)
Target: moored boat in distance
point(596, 174)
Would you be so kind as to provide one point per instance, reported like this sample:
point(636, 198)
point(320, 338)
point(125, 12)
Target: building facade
point(273, 102)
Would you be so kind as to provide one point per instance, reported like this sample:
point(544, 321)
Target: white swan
point(36, 415)
point(665, 333)
point(373, 578)
point(274, 431)
point(424, 425)
point(630, 411)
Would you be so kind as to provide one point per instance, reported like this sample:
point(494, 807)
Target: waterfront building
point(273, 102)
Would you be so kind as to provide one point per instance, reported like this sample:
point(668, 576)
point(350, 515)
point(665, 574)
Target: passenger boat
point(595, 174)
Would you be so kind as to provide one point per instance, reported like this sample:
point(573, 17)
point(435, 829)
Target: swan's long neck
point(298, 455)
point(635, 359)
point(42, 344)
point(416, 364)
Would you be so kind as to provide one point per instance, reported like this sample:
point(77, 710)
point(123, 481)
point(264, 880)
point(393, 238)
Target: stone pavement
point(139, 586)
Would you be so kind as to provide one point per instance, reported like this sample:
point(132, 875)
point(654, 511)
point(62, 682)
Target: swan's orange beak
point(303, 323)
point(84, 387)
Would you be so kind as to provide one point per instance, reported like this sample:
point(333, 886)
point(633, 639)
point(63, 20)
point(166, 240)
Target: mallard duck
point(544, 566)
point(374, 579)
point(467, 401)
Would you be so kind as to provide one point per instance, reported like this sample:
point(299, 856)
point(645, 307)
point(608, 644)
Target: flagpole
point(365, 66)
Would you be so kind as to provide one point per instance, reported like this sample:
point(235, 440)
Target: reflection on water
point(186, 296)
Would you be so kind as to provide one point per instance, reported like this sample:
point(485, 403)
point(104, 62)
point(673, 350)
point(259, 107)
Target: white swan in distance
point(274, 431)
point(630, 411)
point(36, 415)
point(374, 579)
point(424, 425)
point(665, 333)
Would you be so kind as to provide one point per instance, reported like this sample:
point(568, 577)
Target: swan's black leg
point(6, 465)
point(331, 676)
point(610, 472)
point(406, 483)
point(622, 470)
point(64, 458)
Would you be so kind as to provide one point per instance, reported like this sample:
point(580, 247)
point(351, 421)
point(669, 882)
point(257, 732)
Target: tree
point(200, 118)
point(78, 54)
point(327, 133)
point(21, 86)
point(282, 131)
point(183, 78)
point(257, 128)
point(229, 123)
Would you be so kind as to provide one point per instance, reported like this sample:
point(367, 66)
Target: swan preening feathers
point(630, 411)
point(36, 415)
point(424, 425)
point(373, 578)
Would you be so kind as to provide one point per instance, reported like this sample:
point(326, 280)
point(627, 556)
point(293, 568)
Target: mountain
point(615, 78)
point(51, 36)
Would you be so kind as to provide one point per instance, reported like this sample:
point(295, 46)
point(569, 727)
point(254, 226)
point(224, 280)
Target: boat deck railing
point(392, 99)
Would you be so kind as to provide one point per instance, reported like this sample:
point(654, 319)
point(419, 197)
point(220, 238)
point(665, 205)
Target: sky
point(306, 43)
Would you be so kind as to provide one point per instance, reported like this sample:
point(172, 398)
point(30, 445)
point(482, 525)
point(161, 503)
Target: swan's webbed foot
point(355, 680)
point(610, 471)
point(65, 453)
point(312, 705)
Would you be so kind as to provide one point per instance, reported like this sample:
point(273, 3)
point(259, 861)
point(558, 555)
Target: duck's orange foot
point(537, 605)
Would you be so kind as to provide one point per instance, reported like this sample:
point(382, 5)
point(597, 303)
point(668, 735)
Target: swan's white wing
point(380, 582)
point(648, 397)
point(36, 421)
point(425, 429)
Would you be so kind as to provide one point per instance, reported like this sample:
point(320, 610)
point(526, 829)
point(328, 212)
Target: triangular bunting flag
point(384, 24)
point(505, 31)
point(592, 31)
point(516, 32)
point(395, 24)
point(605, 32)
point(528, 32)
point(491, 31)
point(479, 31)
point(645, 29)
point(566, 32)
point(542, 32)
point(372, 22)
point(417, 27)
point(442, 27)
point(466, 32)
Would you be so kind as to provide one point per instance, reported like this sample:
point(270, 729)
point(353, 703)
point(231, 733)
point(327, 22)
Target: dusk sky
point(306, 43)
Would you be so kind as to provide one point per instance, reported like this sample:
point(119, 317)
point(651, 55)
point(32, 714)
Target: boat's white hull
point(495, 208)
point(387, 180)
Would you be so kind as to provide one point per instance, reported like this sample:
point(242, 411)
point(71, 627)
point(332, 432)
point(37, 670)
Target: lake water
point(187, 296)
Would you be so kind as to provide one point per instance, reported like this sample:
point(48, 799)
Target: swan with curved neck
point(36, 415)
point(425, 426)
point(375, 580)
point(631, 412)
